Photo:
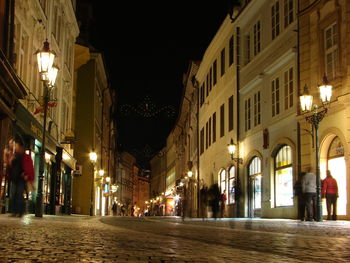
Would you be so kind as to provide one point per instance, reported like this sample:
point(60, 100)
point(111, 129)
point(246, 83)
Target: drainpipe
point(238, 188)
point(198, 173)
point(298, 86)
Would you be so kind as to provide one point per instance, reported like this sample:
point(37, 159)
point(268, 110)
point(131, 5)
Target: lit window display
point(284, 177)
point(337, 166)
point(255, 182)
point(232, 185)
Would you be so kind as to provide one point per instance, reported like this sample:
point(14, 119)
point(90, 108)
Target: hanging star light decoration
point(147, 109)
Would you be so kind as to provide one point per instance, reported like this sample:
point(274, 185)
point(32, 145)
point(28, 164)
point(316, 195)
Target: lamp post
point(232, 150)
point(314, 119)
point(93, 159)
point(48, 73)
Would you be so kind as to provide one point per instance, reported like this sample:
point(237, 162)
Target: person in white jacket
point(309, 190)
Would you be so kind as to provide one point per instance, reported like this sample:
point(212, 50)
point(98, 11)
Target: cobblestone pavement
point(126, 239)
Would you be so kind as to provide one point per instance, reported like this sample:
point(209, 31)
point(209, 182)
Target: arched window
point(255, 184)
point(231, 184)
point(222, 180)
point(284, 177)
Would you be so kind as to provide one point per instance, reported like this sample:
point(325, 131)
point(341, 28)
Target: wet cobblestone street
point(126, 239)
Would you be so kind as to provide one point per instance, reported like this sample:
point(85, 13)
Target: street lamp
point(48, 73)
point(93, 159)
point(232, 150)
point(101, 172)
point(315, 119)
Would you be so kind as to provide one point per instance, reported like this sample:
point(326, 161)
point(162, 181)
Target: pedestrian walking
point(330, 192)
point(114, 208)
point(21, 172)
point(5, 173)
point(214, 199)
point(309, 192)
point(203, 195)
point(298, 192)
point(223, 199)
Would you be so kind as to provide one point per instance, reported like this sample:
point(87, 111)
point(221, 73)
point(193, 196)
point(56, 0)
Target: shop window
point(255, 182)
point(283, 177)
point(231, 185)
point(222, 180)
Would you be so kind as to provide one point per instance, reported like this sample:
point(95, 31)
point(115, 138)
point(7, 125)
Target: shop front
point(58, 165)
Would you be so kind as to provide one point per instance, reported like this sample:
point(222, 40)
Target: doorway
point(254, 187)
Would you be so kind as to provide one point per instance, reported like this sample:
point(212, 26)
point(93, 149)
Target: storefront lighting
point(47, 157)
point(190, 174)
point(108, 179)
point(101, 172)
point(65, 156)
point(93, 157)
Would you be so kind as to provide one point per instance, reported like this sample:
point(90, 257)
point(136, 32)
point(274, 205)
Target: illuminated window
point(231, 185)
point(255, 182)
point(222, 177)
point(284, 177)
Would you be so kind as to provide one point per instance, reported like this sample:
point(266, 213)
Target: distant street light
point(93, 159)
point(315, 119)
point(48, 73)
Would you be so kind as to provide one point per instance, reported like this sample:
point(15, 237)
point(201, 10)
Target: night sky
point(147, 46)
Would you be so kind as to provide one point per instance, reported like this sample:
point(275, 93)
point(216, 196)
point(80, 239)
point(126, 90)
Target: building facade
point(268, 103)
point(35, 22)
point(186, 142)
point(218, 124)
point(323, 48)
point(11, 90)
point(91, 187)
point(127, 171)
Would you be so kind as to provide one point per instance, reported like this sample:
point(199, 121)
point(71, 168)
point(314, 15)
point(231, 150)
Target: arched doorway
point(335, 162)
point(254, 187)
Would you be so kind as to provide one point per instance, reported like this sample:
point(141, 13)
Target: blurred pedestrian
point(214, 199)
point(298, 192)
point(203, 196)
point(309, 191)
point(122, 210)
point(330, 191)
point(114, 208)
point(223, 199)
point(21, 172)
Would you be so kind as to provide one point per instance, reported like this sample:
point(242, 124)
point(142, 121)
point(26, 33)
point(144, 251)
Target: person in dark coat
point(214, 193)
point(203, 195)
point(298, 192)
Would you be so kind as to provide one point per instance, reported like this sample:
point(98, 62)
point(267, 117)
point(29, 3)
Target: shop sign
point(36, 130)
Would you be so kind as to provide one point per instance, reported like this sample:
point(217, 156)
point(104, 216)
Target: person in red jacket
point(21, 172)
point(330, 192)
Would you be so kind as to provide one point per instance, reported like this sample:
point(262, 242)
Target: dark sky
point(147, 46)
